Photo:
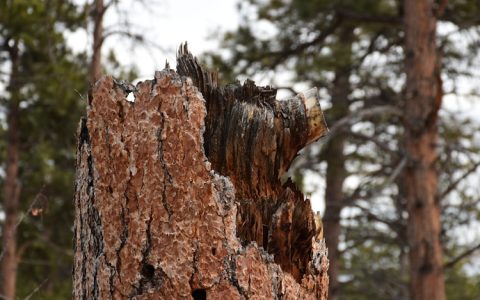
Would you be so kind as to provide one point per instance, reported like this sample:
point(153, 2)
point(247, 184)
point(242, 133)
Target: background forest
point(354, 51)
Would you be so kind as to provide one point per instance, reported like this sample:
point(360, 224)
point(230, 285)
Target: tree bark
point(11, 189)
point(178, 194)
point(335, 159)
point(422, 102)
point(95, 69)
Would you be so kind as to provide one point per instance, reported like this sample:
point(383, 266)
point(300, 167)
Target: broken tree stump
point(178, 194)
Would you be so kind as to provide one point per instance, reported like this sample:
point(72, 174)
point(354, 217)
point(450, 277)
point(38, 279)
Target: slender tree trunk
point(95, 69)
point(158, 218)
point(335, 159)
point(422, 102)
point(8, 259)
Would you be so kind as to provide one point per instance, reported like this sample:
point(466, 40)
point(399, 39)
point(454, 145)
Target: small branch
point(373, 192)
point(372, 216)
point(468, 252)
point(371, 48)
point(32, 206)
point(383, 19)
point(135, 36)
point(398, 169)
point(36, 289)
point(364, 113)
point(378, 143)
point(283, 55)
point(455, 183)
point(107, 6)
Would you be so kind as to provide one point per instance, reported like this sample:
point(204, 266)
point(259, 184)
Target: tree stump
point(178, 194)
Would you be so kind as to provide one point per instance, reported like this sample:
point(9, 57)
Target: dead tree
point(178, 194)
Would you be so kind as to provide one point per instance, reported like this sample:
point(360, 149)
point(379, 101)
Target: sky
point(165, 24)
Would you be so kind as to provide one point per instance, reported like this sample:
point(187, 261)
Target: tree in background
point(423, 100)
point(97, 10)
point(303, 40)
point(336, 172)
point(98, 13)
point(44, 80)
point(41, 76)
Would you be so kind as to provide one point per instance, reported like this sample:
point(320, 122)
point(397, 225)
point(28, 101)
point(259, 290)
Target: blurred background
point(352, 50)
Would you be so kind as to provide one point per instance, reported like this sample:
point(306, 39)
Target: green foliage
point(460, 285)
point(51, 82)
point(50, 78)
point(378, 283)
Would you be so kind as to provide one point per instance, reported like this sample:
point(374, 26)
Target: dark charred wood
point(252, 138)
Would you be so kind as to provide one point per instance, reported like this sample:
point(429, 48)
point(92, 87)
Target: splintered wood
point(178, 193)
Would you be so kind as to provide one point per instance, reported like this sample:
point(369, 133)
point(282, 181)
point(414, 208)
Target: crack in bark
point(195, 268)
point(84, 136)
point(148, 244)
point(123, 240)
point(113, 273)
point(95, 225)
point(164, 167)
point(84, 141)
point(140, 288)
point(232, 269)
point(276, 283)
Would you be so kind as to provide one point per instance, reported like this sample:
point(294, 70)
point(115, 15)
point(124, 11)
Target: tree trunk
point(335, 159)
point(11, 189)
point(95, 69)
point(174, 202)
point(422, 102)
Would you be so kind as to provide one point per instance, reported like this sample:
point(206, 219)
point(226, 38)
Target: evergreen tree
point(42, 106)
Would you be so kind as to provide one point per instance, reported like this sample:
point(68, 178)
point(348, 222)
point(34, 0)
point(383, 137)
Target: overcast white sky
point(166, 23)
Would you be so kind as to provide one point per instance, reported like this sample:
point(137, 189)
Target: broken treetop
point(155, 218)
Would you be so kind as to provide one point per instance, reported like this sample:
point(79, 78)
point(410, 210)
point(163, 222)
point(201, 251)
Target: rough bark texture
point(423, 100)
point(157, 216)
point(11, 189)
point(336, 172)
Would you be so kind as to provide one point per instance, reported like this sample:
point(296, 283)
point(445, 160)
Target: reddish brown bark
point(95, 69)
point(155, 219)
point(11, 189)
point(422, 103)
